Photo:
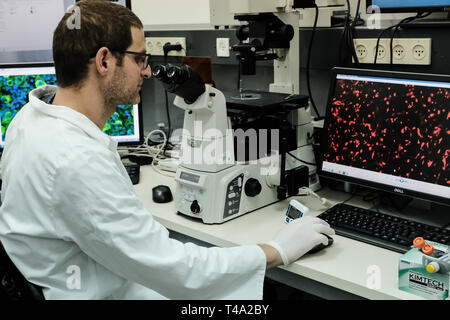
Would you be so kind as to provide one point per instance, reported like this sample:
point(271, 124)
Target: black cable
point(343, 35)
point(352, 195)
point(303, 161)
point(167, 111)
point(167, 48)
point(351, 33)
point(357, 15)
point(239, 76)
point(378, 42)
point(371, 196)
point(405, 20)
point(397, 28)
point(308, 64)
point(348, 35)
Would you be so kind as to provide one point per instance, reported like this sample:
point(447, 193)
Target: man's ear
point(103, 60)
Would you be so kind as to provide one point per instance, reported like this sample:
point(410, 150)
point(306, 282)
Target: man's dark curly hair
point(90, 25)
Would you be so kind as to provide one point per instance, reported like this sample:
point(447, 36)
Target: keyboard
point(380, 229)
point(133, 171)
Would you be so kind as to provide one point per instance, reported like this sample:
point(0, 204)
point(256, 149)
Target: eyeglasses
point(143, 60)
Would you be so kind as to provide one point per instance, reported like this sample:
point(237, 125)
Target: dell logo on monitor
point(398, 190)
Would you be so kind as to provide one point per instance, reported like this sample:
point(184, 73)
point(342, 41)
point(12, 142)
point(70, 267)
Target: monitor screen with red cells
point(396, 127)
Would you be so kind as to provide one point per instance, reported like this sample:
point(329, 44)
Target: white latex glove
point(299, 236)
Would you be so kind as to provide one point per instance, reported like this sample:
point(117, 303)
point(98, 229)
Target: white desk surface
point(347, 264)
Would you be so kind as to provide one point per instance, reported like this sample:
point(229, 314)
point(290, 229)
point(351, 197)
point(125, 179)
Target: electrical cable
point(169, 129)
point(239, 77)
point(154, 152)
point(341, 42)
point(357, 18)
point(348, 34)
point(405, 20)
point(308, 64)
point(381, 35)
point(396, 29)
point(309, 192)
point(351, 32)
point(144, 150)
point(303, 161)
point(369, 196)
point(167, 48)
point(350, 198)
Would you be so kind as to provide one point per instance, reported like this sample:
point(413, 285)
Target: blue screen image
point(14, 91)
point(409, 3)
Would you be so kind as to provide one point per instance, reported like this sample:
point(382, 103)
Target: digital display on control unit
point(294, 213)
point(189, 177)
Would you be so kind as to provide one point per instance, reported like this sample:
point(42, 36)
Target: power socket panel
point(154, 45)
point(413, 51)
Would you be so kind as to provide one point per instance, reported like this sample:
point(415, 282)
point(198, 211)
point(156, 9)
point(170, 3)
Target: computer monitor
point(398, 6)
point(389, 131)
point(16, 81)
point(27, 26)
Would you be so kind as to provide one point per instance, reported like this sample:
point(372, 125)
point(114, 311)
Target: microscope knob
point(252, 187)
point(195, 207)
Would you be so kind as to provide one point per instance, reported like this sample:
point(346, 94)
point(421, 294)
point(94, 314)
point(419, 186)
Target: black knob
point(252, 187)
point(195, 207)
point(243, 32)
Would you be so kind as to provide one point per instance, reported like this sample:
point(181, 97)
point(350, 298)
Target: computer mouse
point(322, 246)
point(161, 194)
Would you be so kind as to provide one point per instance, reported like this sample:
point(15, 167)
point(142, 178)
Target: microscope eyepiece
point(160, 73)
point(178, 74)
point(182, 81)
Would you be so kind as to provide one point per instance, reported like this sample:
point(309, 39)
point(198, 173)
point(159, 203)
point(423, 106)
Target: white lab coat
point(72, 223)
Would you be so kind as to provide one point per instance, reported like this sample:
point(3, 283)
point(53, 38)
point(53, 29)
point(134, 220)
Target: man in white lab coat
point(70, 219)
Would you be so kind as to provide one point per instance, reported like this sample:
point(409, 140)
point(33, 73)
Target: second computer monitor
point(399, 6)
point(389, 130)
point(16, 82)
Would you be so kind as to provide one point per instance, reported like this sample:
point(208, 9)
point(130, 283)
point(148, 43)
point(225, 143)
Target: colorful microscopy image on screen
point(14, 94)
point(122, 122)
point(401, 130)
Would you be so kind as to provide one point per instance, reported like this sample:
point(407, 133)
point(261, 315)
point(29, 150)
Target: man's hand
point(297, 238)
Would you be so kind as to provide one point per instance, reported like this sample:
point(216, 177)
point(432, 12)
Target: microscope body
point(211, 185)
point(272, 33)
point(214, 182)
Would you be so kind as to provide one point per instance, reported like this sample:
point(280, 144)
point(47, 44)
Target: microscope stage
point(267, 102)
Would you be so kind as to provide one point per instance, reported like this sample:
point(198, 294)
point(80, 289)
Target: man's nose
point(147, 72)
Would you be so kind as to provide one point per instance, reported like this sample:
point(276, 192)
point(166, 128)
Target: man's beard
point(117, 93)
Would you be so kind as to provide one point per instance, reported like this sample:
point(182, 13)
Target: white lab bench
point(348, 269)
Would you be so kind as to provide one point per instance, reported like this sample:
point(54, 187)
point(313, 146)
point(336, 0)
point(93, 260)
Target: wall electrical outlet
point(414, 51)
point(223, 47)
point(361, 51)
point(154, 46)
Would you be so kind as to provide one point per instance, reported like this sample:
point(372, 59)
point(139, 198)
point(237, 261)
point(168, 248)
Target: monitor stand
point(420, 211)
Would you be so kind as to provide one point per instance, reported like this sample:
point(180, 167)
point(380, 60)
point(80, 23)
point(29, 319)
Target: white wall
point(204, 14)
point(179, 14)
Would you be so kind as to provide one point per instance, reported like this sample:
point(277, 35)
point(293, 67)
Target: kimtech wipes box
point(425, 275)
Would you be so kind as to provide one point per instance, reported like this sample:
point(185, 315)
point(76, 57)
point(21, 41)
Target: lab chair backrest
point(13, 285)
